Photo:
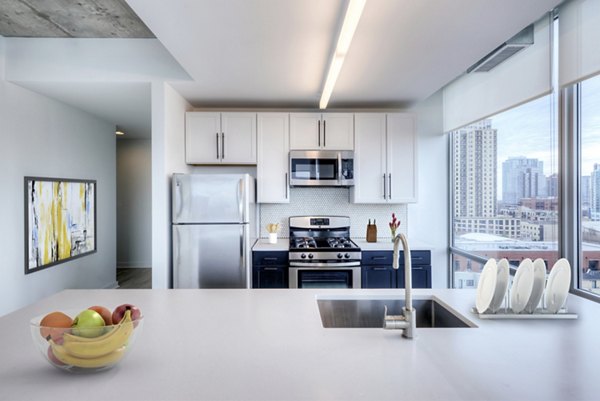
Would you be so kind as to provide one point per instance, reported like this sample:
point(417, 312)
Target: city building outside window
point(505, 198)
point(589, 186)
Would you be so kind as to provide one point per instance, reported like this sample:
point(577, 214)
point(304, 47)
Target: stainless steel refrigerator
point(213, 219)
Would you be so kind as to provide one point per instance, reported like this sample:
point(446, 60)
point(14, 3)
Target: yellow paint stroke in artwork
point(82, 195)
point(64, 242)
point(45, 216)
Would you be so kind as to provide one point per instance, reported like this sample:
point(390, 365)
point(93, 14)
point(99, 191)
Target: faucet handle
point(393, 322)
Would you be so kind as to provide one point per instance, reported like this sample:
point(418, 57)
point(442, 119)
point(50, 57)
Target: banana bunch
point(94, 352)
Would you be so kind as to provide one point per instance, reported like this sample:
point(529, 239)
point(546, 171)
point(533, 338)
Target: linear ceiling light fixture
point(353, 13)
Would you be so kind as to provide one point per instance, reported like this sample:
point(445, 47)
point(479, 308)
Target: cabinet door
point(337, 131)
point(401, 158)
point(238, 136)
point(272, 168)
point(202, 138)
point(305, 131)
point(270, 277)
point(421, 277)
point(378, 277)
point(369, 159)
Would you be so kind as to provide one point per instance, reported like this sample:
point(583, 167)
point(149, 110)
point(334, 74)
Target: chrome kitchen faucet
point(406, 321)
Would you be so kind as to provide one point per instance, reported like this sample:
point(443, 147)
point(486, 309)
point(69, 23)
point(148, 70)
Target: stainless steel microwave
point(328, 168)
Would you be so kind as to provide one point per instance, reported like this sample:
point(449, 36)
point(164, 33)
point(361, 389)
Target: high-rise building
point(585, 190)
point(595, 192)
point(552, 185)
point(475, 150)
point(522, 178)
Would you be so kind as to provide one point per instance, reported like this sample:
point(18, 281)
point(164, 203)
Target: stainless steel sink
point(368, 313)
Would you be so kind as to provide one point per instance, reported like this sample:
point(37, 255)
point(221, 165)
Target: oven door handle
point(319, 266)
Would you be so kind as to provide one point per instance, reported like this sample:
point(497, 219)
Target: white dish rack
point(556, 287)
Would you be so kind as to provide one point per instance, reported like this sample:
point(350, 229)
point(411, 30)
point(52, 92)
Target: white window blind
point(578, 41)
point(521, 78)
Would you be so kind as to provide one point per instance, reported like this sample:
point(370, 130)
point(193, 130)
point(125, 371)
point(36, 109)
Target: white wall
point(134, 206)
point(429, 217)
point(42, 137)
point(168, 157)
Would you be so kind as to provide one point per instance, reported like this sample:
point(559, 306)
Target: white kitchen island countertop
point(270, 345)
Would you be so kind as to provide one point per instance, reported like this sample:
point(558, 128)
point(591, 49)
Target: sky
point(523, 131)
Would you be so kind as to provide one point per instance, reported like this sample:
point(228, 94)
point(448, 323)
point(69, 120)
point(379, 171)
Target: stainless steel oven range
point(321, 253)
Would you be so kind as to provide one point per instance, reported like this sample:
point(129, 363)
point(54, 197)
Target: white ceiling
point(127, 104)
point(276, 53)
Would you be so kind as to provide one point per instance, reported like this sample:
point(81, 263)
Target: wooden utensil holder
point(371, 233)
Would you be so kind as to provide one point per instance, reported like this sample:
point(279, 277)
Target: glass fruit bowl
point(84, 349)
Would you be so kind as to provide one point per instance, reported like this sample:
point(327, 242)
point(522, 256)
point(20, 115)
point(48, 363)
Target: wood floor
point(134, 278)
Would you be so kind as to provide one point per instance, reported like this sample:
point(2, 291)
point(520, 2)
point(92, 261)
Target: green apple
point(88, 323)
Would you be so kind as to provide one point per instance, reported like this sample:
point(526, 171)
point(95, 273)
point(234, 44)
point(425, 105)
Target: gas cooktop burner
point(304, 242)
point(340, 242)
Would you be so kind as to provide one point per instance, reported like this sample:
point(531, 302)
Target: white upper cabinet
point(385, 158)
point(313, 131)
point(220, 138)
point(370, 154)
point(202, 132)
point(272, 168)
point(402, 158)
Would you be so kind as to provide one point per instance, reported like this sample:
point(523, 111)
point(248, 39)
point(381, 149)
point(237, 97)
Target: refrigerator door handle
point(176, 256)
point(241, 195)
point(178, 199)
point(245, 255)
point(217, 146)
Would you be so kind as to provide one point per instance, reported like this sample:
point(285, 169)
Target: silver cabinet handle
point(339, 173)
point(222, 145)
point(324, 133)
point(390, 185)
point(217, 145)
point(286, 186)
point(319, 132)
point(384, 191)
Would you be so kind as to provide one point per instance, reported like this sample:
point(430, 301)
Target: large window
point(589, 185)
point(505, 192)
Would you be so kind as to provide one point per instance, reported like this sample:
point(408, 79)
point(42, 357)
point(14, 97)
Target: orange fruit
point(54, 324)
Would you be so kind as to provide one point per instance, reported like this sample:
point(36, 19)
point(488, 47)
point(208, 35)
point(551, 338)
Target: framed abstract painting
point(60, 221)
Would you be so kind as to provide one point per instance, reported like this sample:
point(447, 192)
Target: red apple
point(53, 358)
point(104, 312)
point(119, 312)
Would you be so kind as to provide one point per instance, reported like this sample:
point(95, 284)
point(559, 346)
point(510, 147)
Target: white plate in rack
point(486, 286)
point(522, 286)
point(539, 280)
point(558, 285)
point(502, 276)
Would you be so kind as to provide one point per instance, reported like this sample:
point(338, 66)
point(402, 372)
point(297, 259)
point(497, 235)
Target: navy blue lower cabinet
point(270, 269)
point(377, 271)
point(378, 277)
point(421, 277)
point(269, 277)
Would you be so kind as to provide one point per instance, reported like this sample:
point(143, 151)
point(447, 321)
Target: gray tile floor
point(134, 278)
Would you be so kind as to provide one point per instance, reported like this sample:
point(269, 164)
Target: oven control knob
point(347, 256)
point(310, 255)
point(303, 256)
point(339, 255)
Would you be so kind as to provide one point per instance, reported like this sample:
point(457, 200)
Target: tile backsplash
point(331, 202)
